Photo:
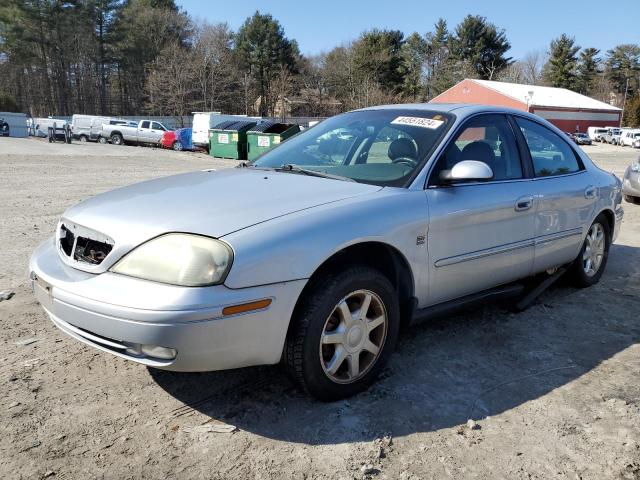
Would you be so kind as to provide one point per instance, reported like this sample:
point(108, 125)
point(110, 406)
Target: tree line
point(134, 57)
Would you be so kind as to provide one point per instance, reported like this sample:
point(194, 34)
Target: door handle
point(590, 192)
point(524, 203)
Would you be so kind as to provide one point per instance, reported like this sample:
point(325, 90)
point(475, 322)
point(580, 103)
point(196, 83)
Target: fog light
point(156, 351)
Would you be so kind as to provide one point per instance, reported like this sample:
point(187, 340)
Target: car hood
point(205, 202)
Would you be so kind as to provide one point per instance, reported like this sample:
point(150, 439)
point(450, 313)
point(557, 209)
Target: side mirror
point(467, 170)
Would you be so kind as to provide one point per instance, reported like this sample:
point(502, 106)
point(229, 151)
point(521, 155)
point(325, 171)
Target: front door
point(481, 234)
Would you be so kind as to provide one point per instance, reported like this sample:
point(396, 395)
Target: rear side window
point(550, 154)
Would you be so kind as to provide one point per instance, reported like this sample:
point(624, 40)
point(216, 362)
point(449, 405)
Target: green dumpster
point(229, 139)
point(266, 135)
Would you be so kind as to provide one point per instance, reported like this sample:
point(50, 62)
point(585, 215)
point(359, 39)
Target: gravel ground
point(554, 391)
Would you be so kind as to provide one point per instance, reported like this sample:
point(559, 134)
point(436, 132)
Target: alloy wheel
point(593, 250)
point(353, 336)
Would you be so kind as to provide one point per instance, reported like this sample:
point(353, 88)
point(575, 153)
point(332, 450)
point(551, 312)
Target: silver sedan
point(316, 254)
point(631, 183)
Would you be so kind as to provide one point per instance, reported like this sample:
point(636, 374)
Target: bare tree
point(532, 64)
point(214, 66)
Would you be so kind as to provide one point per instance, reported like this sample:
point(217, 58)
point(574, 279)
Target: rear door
point(566, 199)
point(481, 234)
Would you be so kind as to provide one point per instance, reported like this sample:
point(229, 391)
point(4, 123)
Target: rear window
point(550, 154)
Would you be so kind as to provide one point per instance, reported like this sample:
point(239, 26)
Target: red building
point(569, 111)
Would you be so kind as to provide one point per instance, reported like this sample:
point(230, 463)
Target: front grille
point(83, 248)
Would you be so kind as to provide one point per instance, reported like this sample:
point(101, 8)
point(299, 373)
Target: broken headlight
point(178, 259)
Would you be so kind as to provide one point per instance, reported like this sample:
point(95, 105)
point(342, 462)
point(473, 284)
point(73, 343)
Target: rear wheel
point(177, 146)
point(83, 138)
point(589, 266)
point(102, 140)
point(117, 139)
point(343, 333)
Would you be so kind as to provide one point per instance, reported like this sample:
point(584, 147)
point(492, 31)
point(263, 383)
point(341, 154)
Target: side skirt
point(504, 292)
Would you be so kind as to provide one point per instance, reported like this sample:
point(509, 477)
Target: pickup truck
point(146, 132)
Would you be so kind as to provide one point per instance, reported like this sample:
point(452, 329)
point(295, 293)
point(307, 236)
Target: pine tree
point(482, 45)
point(263, 49)
point(561, 68)
point(587, 70)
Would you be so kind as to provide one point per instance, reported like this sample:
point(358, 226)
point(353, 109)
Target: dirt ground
point(555, 391)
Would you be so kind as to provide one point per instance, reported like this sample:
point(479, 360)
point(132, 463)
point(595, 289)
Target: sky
point(530, 25)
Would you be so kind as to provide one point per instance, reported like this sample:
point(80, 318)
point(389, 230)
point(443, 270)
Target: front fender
point(292, 247)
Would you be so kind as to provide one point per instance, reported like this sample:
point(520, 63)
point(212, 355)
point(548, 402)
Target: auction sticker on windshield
point(418, 122)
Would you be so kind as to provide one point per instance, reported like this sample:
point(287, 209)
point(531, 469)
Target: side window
point(550, 154)
point(488, 139)
point(392, 145)
point(156, 126)
point(145, 124)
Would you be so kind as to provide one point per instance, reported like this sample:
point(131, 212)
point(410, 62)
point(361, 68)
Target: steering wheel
point(406, 161)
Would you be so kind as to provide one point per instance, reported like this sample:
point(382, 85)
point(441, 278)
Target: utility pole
point(624, 102)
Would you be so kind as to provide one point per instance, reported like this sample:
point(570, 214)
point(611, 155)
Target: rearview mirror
point(468, 170)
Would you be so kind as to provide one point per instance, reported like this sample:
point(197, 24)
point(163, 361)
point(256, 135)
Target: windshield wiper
point(291, 167)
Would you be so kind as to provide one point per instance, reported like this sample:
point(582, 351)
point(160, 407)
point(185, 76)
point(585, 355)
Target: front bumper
point(631, 183)
point(111, 312)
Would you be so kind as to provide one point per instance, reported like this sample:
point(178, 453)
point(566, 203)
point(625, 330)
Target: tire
point(320, 350)
point(102, 140)
point(177, 146)
point(580, 277)
point(117, 139)
point(83, 139)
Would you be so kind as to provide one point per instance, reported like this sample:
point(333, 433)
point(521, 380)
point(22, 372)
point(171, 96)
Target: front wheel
point(587, 269)
point(102, 140)
point(343, 333)
point(177, 146)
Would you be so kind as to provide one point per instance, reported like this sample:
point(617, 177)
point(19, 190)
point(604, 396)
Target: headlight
point(178, 259)
point(635, 167)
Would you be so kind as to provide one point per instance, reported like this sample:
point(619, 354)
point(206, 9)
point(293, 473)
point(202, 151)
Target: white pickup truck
point(146, 132)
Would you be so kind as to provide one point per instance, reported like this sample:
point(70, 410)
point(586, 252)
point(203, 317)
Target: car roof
point(462, 109)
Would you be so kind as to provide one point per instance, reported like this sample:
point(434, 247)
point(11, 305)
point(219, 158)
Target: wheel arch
point(379, 255)
point(610, 216)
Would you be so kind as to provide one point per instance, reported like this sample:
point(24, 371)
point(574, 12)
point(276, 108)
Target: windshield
point(379, 147)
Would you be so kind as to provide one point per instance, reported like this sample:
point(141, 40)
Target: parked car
point(315, 254)
point(636, 143)
point(180, 139)
point(628, 137)
point(612, 136)
point(631, 183)
point(146, 132)
point(129, 123)
point(597, 134)
point(581, 139)
point(87, 128)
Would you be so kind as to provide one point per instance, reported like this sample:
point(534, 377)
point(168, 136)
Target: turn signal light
point(246, 307)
